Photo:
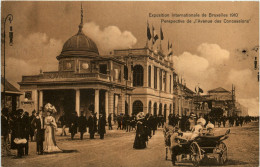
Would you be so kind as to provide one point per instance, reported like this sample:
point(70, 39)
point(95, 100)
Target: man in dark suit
point(19, 132)
point(73, 129)
point(82, 123)
point(32, 130)
point(63, 124)
point(110, 122)
point(38, 123)
point(91, 125)
point(27, 126)
point(101, 126)
point(5, 129)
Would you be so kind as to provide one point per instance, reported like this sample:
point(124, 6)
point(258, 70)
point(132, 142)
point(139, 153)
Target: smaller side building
point(11, 95)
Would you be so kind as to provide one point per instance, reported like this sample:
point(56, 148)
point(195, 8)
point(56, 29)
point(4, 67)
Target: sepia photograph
point(129, 83)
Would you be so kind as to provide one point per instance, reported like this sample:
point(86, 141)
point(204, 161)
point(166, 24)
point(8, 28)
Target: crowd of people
point(183, 120)
point(128, 123)
point(18, 127)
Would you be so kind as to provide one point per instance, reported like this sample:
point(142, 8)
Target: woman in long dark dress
point(140, 137)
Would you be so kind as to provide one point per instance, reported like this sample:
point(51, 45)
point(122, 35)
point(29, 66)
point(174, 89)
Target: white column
point(122, 102)
point(40, 99)
point(77, 105)
point(167, 112)
point(106, 103)
point(97, 102)
point(35, 99)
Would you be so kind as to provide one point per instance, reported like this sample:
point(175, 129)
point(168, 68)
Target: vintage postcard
point(129, 83)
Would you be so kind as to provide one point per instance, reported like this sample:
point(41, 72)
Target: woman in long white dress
point(51, 127)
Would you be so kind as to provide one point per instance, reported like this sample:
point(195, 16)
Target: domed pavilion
point(85, 81)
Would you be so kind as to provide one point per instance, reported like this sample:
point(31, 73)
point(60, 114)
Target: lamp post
point(10, 17)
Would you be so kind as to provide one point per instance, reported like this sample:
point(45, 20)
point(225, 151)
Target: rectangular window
point(28, 95)
point(155, 77)
point(103, 68)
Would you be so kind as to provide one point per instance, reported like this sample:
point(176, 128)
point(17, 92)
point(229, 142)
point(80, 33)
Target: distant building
point(12, 95)
point(220, 98)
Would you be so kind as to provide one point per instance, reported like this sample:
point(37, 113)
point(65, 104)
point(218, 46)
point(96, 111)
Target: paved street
point(117, 150)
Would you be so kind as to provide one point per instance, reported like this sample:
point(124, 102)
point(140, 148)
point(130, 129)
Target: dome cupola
point(79, 45)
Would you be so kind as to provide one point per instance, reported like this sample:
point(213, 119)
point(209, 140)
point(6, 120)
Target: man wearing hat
point(73, 129)
point(19, 132)
point(82, 123)
point(38, 124)
point(91, 126)
point(31, 127)
point(101, 126)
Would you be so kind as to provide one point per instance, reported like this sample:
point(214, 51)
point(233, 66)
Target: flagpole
point(147, 37)
point(161, 37)
point(152, 37)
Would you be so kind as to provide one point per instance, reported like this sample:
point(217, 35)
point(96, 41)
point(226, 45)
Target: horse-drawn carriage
point(201, 148)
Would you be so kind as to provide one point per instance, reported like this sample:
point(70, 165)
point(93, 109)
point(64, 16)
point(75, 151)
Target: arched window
point(125, 73)
point(137, 107)
point(138, 75)
point(149, 76)
point(160, 109)
point(150, 107)
point(170, 108)
point(165, 112)
point(155, 109)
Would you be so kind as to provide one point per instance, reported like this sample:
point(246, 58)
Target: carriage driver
point(175, 145)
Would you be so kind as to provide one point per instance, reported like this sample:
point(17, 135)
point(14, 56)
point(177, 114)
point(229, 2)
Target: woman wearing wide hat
point(50, 128)
point(140, 137)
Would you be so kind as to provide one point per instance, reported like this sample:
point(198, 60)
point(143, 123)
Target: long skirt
point(51, 145)
point(139, 142)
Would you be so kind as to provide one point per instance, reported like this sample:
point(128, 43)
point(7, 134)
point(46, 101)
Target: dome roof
point(80, 42)
point(79, 45)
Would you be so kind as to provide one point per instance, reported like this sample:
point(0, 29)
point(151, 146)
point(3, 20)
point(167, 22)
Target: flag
point(200, 90)
point(169, 49)
point(155, 36)
point(149, 36)
point(161, 33)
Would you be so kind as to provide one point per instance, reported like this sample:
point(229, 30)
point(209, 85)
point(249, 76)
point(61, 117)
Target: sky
point(210, 55)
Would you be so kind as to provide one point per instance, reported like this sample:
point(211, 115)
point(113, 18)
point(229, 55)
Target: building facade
point(127, 81)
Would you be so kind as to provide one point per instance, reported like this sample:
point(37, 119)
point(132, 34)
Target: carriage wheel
point(222, 159)
point(195, 153)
